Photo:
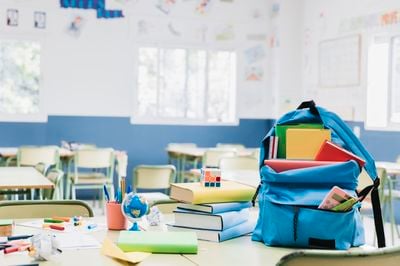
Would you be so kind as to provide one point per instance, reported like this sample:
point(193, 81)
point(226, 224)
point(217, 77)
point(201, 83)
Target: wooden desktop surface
point(238, 251)
point(22, 178)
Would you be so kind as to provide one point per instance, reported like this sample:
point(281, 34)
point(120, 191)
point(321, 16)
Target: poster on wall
point(75, 26)
point(225, 33)
point(254, 54)
point(165, 6)
point(39, 19)
point(12, 17)
point(254, 73)
point(203, 7)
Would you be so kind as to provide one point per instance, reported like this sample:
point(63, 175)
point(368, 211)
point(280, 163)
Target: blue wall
point(145, 144)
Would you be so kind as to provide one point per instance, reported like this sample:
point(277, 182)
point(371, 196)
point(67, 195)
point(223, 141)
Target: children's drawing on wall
point(254, 73)
point(273, 41)
point(225, 33)
point(275, 9)
point(75, 26)
point(254, 54)
point(227, 1)
point(12, 17)
point(381, 19)
point(173, 30)
point(203, 6)
point(256, 37)
point(39, 19)
point(165, 6)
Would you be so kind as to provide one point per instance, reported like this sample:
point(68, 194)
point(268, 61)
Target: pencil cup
point(115, 219)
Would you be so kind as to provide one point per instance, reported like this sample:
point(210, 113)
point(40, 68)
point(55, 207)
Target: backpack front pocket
point(303, 226)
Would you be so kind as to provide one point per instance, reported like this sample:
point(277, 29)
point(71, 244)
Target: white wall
point(324, 20)
point(94, 73)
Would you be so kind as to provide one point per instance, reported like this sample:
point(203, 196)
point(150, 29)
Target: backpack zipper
point(295, 220)
point(253, 200)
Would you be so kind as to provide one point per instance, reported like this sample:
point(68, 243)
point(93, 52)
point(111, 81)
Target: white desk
point(247, 177)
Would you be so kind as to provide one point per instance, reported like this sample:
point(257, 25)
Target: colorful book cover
point(280, 132)
point(273, 147)
point(332, 152)
point(280, 165)
point(200, 220)
point(195, 193)
point(305, 143)
point(215, 207)
point(158, 242)
point(218, 236)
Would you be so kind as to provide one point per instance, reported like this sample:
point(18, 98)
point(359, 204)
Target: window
point(383, 83)
point(185, 86)
point(20, 80)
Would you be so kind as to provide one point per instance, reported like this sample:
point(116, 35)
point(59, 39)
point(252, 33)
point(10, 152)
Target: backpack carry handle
point(309, 104)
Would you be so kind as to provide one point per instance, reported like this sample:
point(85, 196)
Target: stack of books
point(214, 214)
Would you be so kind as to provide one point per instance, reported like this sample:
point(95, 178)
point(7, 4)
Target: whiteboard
point(339, 62)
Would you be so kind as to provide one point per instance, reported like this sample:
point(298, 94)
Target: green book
point(280, 132)
point(158, 242)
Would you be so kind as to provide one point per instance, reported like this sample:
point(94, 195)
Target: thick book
point(280, 132)
point(280, 165)
point(332, 152)
point(195, 193)
point(218, 236)
point(215, 207)
point(305, 143)
point(158, 242)
point(200, 220)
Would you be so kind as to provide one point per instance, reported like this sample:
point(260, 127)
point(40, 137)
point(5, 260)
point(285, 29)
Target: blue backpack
point(288, 200)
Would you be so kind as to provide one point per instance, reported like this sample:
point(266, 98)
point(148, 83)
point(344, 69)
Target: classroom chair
point(238, 163)
point(43, 208)
point(236, 146)
point(55, 176)
point(33, 155)
point(181, 162)
point(93, 168)
point(389, 256)
point(153, 177)
point(212, 156)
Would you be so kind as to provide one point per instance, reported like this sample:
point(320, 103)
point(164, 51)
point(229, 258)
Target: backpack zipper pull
point(253, 200)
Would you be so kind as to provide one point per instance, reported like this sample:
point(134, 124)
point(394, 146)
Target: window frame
point(42, 115)
point(135, 119)
point(390, 125)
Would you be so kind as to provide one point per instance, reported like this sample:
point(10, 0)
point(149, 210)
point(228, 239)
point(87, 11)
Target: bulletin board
point(339, 62)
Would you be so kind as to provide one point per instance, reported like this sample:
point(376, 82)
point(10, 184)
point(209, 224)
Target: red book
point(280, 165)
point(332, 152)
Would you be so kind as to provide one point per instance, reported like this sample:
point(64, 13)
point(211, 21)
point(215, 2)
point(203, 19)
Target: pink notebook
point(280, 165)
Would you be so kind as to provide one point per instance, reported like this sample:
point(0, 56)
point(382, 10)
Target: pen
point(18, 237)
point(106, 193)
point(10, 250)
point(60, 218)
point(91, 226)
point(47, 220)
point(57, 227)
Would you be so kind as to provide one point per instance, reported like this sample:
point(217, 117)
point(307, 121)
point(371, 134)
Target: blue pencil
point(106, 193)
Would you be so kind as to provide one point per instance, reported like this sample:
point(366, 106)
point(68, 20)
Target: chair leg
point(73, 192)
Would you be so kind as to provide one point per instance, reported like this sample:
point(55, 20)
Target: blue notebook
point(218, 236)
point(201, 220)
point(215, 207)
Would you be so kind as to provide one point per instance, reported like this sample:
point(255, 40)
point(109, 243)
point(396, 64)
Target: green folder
point(158, 242)
point(280, 132)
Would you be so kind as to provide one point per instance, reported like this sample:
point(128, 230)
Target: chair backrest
point(32, 155)
point(99, 158)
point(153, 176)
point(238, 163)
point(178, 145)
point(383, 256)
point(43, 208)
point(212, 156)
point(236, 146)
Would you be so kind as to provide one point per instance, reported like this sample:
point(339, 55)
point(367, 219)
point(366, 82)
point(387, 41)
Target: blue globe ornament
point(134, 207)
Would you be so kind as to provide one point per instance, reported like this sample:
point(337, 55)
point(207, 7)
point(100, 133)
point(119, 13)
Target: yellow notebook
point(304, 144)
point(195, 193)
